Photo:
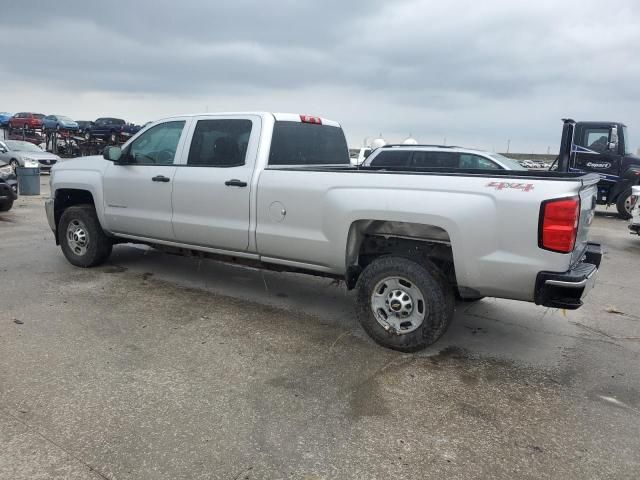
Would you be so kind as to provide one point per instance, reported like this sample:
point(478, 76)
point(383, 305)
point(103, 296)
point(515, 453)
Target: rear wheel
point(402, 304)
point(81, 237)
point(623, 204)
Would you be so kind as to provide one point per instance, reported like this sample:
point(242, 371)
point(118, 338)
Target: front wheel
point(402, 304)
point(623, 204)
point(81, 237)
point(6, 205)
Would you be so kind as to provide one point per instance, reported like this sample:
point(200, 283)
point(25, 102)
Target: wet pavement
point(156, 366)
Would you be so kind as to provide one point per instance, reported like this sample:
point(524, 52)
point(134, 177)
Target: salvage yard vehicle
point(107, 129)
point(59, 122)
point(277, 191)
point(18, 153)
point(438, 156)
point(8, 187)
point(604, 148)
point(26, 121)
point(634, 223)
point(4, 119)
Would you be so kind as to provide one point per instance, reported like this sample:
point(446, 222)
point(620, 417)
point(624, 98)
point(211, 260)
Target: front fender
point(87, 180)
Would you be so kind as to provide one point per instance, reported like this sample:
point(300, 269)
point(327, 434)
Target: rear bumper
point(567, 289)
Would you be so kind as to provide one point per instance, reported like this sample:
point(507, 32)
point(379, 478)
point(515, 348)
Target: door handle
point(235, 183)
point(161, 178)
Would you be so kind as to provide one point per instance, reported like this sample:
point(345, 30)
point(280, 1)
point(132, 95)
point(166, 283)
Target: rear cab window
point(298, 143)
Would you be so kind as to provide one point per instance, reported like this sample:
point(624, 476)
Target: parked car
point(527, 164)
point(277, 191)
point(8, 187)
point(59, 122)
point(26, 121)
point(84, 126)
point(4, 118)
point(106, 128)
point(361, 155)
point(634, 222)
point(18, 153)
point(399, 157)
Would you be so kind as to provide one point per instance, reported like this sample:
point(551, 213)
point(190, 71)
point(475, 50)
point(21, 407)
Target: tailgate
point(588, 196)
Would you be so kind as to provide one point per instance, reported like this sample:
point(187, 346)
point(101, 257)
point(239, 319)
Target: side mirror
point(113, 154)
point(613, 138)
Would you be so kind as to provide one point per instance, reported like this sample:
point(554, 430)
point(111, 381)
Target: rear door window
point(392, 158)
point(220, 143)
point(297, 143)
point(435, 159)
point(468, 160)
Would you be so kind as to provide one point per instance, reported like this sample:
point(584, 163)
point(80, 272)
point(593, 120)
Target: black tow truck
point(602, 148)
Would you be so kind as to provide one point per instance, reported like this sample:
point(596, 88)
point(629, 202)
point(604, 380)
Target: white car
point(399, 157)
point(18, 153)
point(634, 223)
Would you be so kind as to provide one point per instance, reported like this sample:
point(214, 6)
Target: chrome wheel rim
point(398, 305)
point(77, 237)
point(628, 204)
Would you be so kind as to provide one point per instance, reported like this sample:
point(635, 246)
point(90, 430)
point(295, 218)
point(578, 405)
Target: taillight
point(310, 119)
point(559, 224)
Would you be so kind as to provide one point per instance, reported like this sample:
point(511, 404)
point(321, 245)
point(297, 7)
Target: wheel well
point(67, 197)
point(370, 239)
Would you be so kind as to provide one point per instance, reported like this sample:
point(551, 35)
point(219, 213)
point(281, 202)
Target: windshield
point(627, 142)
point(509, 163)
point(19, 146)
point(66, 119)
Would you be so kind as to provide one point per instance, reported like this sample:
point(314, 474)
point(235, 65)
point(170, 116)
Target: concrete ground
point(162, 367)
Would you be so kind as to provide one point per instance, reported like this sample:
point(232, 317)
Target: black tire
point(622, 204)
point(6, 205)
point(438, 298)
point(97, 247)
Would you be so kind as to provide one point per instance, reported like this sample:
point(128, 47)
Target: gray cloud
point(479, 72)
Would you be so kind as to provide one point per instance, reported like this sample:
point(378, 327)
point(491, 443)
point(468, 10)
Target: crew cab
point(277, 191)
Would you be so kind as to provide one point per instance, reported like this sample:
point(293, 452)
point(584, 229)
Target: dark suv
point(106, 128)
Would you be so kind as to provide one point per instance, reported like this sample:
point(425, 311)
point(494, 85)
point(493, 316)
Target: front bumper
point(567, 289)
point(48, 208)
point(8, 190)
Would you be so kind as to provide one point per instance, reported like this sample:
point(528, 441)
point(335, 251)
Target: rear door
point(137, 194)
point(212, 188)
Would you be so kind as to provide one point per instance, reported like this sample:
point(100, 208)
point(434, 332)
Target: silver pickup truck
point(277, 191)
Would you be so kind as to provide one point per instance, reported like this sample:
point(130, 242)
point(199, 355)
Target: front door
point(212, 189)
point(137, 190)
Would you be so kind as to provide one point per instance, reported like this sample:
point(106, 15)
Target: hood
point(93, 162)
point(39, 155)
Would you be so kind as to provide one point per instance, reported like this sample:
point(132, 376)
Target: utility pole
point(508, 145)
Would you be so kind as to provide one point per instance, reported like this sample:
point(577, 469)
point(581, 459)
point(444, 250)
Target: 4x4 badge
point(525, 187)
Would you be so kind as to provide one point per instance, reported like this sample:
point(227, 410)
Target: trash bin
point(28, 180)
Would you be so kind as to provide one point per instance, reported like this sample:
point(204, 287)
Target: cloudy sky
point(476, 73)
